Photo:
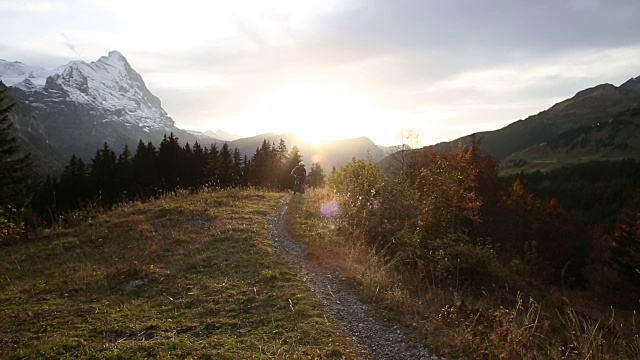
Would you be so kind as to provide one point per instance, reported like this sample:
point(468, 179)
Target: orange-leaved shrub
point(425, 216)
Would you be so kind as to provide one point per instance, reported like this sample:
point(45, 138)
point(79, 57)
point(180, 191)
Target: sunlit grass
point(183, 276)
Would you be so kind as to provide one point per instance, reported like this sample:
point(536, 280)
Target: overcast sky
point(376, 68)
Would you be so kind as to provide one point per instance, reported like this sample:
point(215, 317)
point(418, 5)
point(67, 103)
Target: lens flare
point(329, 210)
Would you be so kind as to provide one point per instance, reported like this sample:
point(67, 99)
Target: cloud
point(466, 63)
point(42, 6)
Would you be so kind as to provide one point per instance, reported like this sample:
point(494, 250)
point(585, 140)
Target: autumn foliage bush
point(451, 218)
point(428, 216)
point(457, 237)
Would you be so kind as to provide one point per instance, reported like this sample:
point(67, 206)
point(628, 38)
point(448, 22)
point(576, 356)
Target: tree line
point(109, 178)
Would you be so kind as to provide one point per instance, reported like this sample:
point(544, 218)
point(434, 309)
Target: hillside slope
point(616, 139)
point(588, 107)
point(185, 276)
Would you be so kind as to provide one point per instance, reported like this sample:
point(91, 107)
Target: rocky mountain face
point(30, 133)
point(82, 105)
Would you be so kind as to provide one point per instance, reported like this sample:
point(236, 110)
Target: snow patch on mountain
point(14, 72)
point(108, 86)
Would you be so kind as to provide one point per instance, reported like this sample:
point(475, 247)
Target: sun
point(316, 111)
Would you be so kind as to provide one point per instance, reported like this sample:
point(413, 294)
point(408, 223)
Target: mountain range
point(77, 107)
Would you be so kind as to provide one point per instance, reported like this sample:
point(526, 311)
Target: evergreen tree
point(169, 158)
point(198, 165)
point(281, 151)
point(225, 166)
point(44, 202)
point(16, 172)
point(256, 168)
point(316, 175)
point(265, 166)
point(103, 182)
point(186, 173)
point(125, 176)
point(74, 189)
point(246, 169)
point(237, 168)
point(145, 169)
point(212, 167)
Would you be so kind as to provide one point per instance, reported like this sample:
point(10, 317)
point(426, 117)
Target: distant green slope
point(524, 145)
point(587, 107)
point(615, 139)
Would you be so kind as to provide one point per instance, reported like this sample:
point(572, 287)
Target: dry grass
point(499, 325)
point(182, 276)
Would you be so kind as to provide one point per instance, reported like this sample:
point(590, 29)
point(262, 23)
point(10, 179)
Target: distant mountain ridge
point(588, 107)
point(633, 83)
point(329, 154)
point(77, 107)
point(615, 139)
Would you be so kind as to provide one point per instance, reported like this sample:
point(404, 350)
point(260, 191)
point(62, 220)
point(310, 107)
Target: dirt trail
point(341, 303)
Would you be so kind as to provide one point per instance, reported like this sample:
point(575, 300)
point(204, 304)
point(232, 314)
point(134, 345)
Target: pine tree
point(103, 168)
point(225, 166)
point(212, 166)
point(16, 172)
point(73, 185)
point(265, 169)
point(246, 169)
point(45, 198)
point(169, 157)
point(316, 175)
point(145, 169)
point(125, 176)
point(238, 168)
point(199, 164)
point(186, 174)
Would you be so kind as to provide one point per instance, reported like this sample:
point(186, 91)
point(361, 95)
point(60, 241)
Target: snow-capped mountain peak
point(108, 86)
point(13, 72)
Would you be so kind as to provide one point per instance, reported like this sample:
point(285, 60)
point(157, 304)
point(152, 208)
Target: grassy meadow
point(183, 276)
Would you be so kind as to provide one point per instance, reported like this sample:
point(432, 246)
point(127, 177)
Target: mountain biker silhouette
point(300, 173)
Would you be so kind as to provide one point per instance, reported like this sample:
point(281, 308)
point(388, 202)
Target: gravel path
point(341, 303)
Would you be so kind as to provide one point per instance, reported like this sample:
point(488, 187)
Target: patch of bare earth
point(341, 302)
